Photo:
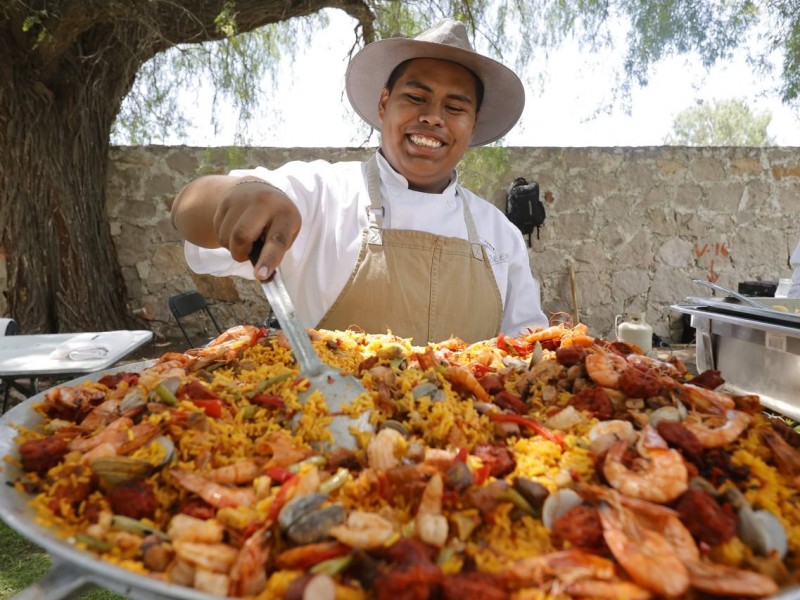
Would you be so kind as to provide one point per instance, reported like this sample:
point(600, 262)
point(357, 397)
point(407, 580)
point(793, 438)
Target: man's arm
point(233, 212)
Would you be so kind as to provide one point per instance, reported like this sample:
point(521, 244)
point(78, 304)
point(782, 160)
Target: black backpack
point(523, 207)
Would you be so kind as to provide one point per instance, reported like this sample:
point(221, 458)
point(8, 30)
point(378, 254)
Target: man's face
point(427, 121)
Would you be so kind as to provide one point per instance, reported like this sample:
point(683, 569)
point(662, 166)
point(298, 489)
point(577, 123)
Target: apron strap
point(478, 251)
point(375, 210)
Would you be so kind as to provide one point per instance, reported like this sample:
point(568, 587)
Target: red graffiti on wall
point(718, 250)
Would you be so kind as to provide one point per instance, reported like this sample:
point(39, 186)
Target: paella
point(553, 465)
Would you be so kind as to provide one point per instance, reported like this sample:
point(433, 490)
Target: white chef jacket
point(333, 199)
point(794, 291)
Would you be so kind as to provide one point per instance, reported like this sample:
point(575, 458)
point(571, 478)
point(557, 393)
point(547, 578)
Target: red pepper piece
point(282, 497)
point(507, 400)
point(279, 474)
point(268, 401)
point(212, 408)
point(194, 390)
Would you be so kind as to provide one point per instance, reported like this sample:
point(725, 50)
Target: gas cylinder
point(634, 330)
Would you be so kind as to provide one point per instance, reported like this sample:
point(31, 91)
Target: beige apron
point(418, 284)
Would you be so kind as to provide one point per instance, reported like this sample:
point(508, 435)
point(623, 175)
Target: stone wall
point(634, 225)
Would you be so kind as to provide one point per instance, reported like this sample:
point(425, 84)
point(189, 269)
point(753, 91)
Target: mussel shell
point(315, 526)
point(297, 508)
point(113, 470)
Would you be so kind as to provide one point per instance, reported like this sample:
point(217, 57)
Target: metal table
point(28, 357)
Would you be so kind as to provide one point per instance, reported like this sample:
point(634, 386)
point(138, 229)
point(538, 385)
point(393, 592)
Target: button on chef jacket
point(333, 200)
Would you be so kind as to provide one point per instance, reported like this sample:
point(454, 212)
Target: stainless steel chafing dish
point(756, 350)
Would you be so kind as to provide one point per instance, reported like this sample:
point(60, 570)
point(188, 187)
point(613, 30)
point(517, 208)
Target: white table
point(33, 356)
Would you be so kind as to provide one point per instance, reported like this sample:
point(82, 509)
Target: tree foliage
point(720, 123)
point(242, 63)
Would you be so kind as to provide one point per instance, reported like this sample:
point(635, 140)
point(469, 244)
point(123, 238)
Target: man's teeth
point(421, 140)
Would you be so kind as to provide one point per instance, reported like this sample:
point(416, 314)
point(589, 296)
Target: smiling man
point(394, 243)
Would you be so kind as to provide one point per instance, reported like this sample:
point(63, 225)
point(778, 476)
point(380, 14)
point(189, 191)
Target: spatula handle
point(283, 307)
point(740, 297)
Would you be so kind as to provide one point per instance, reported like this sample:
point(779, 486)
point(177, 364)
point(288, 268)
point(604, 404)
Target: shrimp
point(561, 333)
point(705, 400)
point(666, 522)
point(116, 440)
point(225, 347)
point(364, 530)
point(605, 433)
point(722, 580)
point(554, 332)
point(659, 474)
point(248, 575)
point(213, 557)
point(101, 415)
point(237, 473)
point(168, 369)
point(215, 494)
point(735, 423)
point(461, 378)
point(100, 451)
point(653, 364)
point(73, 399)
point(385, 449)
point(431, 524)
point(191, 529)
point(209, 582)
point(116, 434)
point(647, 557)
point(605, 368)
point(138, 436)
point(568, 565)
point(786, 457)
point(281, 448)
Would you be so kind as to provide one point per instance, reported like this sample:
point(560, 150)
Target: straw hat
point(503, 99)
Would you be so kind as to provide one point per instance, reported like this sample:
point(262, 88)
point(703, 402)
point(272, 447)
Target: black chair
point(189, 303)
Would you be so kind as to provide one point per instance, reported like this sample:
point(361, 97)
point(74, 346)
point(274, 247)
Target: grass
point(22, 563)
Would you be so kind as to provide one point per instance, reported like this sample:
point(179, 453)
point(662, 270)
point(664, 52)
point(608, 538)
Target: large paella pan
point(548, 466)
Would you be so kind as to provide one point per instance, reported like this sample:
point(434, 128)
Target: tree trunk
point(62, 265)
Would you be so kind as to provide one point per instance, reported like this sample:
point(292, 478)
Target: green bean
point(166, 396)
point(317, 460)
point(92, 543)
point(123, 523)
point(268, 382)
point(332, 566)
point(335, 481)
point(517, 499)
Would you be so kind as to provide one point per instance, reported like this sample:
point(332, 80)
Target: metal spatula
point(740, 297)
point(339, 389)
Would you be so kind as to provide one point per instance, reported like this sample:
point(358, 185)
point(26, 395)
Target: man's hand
point(256, 210)
point(233, 212)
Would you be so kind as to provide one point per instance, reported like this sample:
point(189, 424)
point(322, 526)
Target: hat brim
point(503, 98)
